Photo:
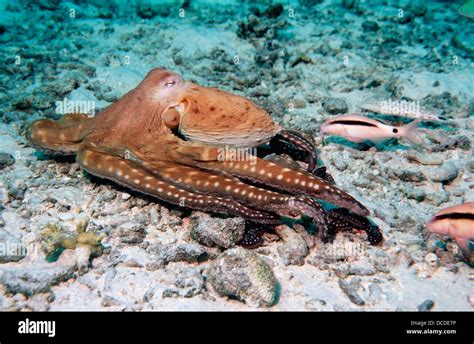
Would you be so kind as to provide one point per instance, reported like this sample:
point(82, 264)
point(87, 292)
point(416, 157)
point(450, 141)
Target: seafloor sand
point(289, 65)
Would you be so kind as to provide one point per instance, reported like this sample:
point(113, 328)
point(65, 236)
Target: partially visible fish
point(358, 128)
point(456, 222)
point(467, 9)
point(401, 108)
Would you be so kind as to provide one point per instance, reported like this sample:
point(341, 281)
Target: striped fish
point(358, 128)
point(456, 222)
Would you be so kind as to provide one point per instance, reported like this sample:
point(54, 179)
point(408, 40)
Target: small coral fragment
point(86, 244)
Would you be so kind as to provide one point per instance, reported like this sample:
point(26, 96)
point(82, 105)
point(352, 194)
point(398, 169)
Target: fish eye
point(395, 130)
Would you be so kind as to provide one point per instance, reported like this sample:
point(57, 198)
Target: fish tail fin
point(410, 133)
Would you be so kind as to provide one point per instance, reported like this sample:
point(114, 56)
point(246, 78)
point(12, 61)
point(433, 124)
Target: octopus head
point(207, 115)
point(162, 86)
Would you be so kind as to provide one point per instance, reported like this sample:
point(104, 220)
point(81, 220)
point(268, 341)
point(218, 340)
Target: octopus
point(200, 147)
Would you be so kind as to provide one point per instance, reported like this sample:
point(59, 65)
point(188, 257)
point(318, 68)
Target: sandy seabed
point(304, 64)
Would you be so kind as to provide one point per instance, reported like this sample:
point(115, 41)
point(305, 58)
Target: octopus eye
point(171, 118)
point(170, 83)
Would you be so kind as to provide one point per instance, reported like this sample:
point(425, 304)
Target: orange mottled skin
point(165, 138)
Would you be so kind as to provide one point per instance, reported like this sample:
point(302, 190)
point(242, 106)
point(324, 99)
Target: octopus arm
point(288, 180)
point(300, 142)
point(205, 182)
point(130, 174)
point(59, 137)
